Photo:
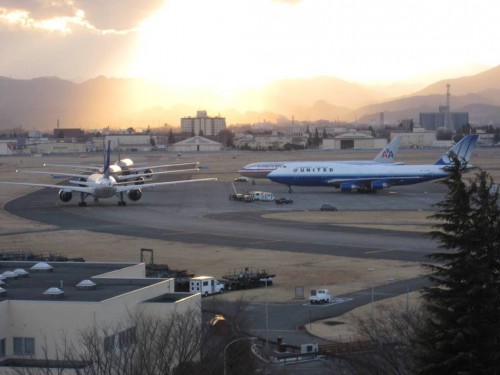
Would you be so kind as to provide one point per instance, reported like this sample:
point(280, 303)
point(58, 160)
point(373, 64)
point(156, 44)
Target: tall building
point(435, 120)
point(209, 126)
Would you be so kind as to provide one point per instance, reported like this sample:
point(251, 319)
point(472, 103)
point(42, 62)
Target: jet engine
point(347, 186)
point(148, 172)
point(65, 196)
point(139, 181)
point(379, 185)
point(134, 195)
point(81, 185)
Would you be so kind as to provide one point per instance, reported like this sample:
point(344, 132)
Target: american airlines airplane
point(369, 177)
point(262, 169)
point(103, 185)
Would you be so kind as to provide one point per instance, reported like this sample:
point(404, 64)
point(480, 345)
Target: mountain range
point(123, 102)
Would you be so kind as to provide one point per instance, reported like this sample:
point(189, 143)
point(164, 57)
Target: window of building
point(2, 348)
point(127, 337)
point(24, 345)
point(109, 343)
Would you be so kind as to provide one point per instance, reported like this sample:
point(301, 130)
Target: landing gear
point(82, 200)
point(96, 200)
point(290, 190)
point(121, 202)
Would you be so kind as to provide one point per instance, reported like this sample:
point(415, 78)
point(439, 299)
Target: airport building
point(202, 124)
point(46, 306)
point(196, 144)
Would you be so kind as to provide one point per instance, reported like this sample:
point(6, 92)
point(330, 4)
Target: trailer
point(247, 278)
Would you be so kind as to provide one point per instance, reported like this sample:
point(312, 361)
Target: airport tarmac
point(203, 215)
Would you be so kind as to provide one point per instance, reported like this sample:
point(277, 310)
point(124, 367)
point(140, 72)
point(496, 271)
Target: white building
point(51, 305)
point(418, 138)
point(207, 125)
point(8, 147)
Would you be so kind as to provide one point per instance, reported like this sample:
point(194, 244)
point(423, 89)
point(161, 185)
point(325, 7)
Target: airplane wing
point(140, 167)
point(136, 175)
point(85, 176)
point(90, 168)
point(124, 188)
point(67, 188)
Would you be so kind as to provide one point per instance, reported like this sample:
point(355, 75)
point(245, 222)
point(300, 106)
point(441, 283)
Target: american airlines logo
point(387, 154)
point(312, 169)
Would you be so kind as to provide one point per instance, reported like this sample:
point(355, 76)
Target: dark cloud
point(119, 15)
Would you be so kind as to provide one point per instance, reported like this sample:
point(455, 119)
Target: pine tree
point(461, 332)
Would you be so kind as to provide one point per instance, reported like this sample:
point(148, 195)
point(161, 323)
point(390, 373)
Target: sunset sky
point(231, 44)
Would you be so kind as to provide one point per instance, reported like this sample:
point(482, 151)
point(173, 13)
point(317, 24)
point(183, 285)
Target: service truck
point(205, 285)
point(320, 296)
point(262, 196)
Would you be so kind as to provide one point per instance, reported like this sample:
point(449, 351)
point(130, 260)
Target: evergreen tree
point(461, 332)
point(171, 138)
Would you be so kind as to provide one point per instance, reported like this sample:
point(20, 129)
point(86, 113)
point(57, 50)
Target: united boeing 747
point(369, 177)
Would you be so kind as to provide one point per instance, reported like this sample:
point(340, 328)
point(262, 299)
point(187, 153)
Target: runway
point(202, 213)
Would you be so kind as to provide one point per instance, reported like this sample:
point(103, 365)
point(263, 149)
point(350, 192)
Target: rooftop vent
point(3, 292)
point(21, 273)
point(86, 285)
point(42, 267)
point(9, 275)
point(55, 293)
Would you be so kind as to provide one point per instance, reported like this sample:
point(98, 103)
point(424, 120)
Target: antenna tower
point(448, 124)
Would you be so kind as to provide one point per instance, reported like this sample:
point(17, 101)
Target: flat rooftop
point(65, 276)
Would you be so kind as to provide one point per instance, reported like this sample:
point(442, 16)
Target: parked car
point(328, 207)
point(283, 201)
point(241, 179)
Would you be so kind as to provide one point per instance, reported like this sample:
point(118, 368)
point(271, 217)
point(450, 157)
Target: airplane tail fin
point(389, 152)
point(462, 150)
point(107, 160)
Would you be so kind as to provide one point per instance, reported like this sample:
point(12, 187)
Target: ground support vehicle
point(320, 296)
point(206, 285)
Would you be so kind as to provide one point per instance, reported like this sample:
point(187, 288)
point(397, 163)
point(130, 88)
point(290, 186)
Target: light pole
point(232, 342)
point(371, 270)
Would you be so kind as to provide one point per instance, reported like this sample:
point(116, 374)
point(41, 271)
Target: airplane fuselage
point(361, 175)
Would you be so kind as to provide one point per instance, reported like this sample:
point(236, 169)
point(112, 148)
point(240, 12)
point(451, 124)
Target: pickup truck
point(320, 296)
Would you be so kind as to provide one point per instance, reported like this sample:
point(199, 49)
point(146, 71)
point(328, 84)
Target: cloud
point(106, 16)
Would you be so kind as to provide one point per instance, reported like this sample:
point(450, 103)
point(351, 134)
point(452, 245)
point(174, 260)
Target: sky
point(232, 44)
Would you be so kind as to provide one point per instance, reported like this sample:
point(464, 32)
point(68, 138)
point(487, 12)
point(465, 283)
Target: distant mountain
point(120, 103)
point(479, 95)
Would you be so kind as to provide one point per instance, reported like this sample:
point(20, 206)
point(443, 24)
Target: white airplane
point(370, 177)
point(104, 185)
point(262, 169)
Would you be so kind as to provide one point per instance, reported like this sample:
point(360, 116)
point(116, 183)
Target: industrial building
point(45, 306)
point(129, 142)
point(435, 120)
point(202, 124)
